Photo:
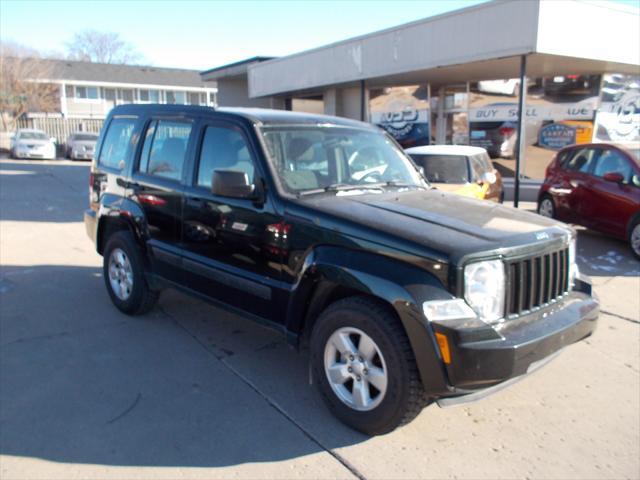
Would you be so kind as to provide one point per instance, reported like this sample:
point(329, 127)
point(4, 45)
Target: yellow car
point(459, 169)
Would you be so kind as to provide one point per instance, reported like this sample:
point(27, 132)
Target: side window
point(223, 149)
point(613, 161)
point(581, 160)
point(116, 142)
point(165, 148)
point(479, 166)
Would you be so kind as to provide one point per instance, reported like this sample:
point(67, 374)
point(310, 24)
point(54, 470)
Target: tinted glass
point(223, 149)
point(612, 161)
point(581, 160)
point(164, 149)
point(443, 168)
point(116, 142)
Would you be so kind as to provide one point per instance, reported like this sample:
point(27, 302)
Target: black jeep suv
point(324, 229)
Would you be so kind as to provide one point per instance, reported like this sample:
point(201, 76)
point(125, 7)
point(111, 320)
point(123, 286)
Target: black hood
point(445, 223)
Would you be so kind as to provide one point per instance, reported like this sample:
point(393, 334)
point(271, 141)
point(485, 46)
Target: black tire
point(634, 235)
point(542, 205)
point(141, 298)
point(404, 398)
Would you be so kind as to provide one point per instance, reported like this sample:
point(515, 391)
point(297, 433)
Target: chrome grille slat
point(535, 281)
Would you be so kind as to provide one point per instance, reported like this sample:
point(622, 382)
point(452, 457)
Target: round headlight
point(484, 289)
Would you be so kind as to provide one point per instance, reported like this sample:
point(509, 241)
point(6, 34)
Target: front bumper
point(81, 155)
point(38, 154)
point(484, 357)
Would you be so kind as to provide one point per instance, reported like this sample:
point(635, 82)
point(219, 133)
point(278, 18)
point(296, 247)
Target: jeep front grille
point(535, 281)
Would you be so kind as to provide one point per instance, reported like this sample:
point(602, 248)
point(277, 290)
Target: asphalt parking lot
point(191, 391)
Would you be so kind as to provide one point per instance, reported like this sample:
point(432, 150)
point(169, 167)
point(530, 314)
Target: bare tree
point(101, 47)
point(23, 85)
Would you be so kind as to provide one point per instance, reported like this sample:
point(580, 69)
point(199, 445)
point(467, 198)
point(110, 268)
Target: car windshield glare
point(316, 158)
point(443, 168)
point(33, 136)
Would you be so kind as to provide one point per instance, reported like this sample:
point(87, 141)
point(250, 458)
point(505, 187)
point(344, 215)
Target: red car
point(598, 186)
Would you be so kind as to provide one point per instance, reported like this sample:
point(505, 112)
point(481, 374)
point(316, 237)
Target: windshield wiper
point(340, 187)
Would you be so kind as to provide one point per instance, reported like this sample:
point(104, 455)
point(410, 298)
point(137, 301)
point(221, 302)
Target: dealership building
point(569, 69)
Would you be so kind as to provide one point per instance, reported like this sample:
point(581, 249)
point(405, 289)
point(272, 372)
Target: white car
point(508, 86)
point(28, 143)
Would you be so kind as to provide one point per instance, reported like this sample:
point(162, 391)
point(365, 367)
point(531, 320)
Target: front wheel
point(634, 239)
point(124, 275)
point(546, 207)
point(364, 366)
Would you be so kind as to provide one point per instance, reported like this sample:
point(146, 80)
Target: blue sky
point(206, 34)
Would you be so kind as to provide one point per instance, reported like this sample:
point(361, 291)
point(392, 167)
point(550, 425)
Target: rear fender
point(400, 285)
point(116, 213)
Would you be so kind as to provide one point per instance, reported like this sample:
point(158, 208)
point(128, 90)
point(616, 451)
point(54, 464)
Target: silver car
point(81, 145)
point(30, 143)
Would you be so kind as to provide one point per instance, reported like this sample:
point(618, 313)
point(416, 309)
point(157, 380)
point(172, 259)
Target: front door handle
point(195, 202)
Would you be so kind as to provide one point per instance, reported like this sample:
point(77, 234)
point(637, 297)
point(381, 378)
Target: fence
point(61, 128)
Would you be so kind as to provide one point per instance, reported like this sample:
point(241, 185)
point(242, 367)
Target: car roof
point(465, 150)
point(262, 116)
point(84, 133)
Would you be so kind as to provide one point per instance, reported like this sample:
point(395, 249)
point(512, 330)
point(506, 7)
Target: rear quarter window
point(115, 146)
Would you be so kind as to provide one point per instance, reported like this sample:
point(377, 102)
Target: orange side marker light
point(444, 347)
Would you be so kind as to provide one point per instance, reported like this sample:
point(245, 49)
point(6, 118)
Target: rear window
point(443, 168)
point(113, 153)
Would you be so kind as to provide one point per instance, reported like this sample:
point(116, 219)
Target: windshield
point(33, 136)
point(84, 137)
point(316, 158)
point(443, 168)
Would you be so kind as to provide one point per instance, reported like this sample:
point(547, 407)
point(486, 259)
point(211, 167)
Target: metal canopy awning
point(478, 43)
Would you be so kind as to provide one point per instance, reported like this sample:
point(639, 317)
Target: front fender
point(403, 286)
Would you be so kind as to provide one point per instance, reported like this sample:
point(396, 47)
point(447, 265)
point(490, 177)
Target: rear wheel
point(123, 271)
point(546, 207)
point(634, 239)
point(364, 366)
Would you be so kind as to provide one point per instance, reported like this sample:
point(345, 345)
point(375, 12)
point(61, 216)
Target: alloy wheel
point(635, 239)
point(120, 274)
point(355, 369)
point(546, 208)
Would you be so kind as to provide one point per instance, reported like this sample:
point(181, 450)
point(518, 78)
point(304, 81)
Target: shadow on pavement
point(82, 383)
point(27, 190)
point(602, 256)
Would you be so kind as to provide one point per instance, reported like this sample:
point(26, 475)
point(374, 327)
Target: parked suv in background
point(598, 186)
point(405, 294)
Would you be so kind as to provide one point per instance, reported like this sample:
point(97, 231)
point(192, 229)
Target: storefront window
point(403, 112)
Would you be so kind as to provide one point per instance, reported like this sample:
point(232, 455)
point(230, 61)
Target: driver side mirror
point(232, 183)
point(614, 177)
